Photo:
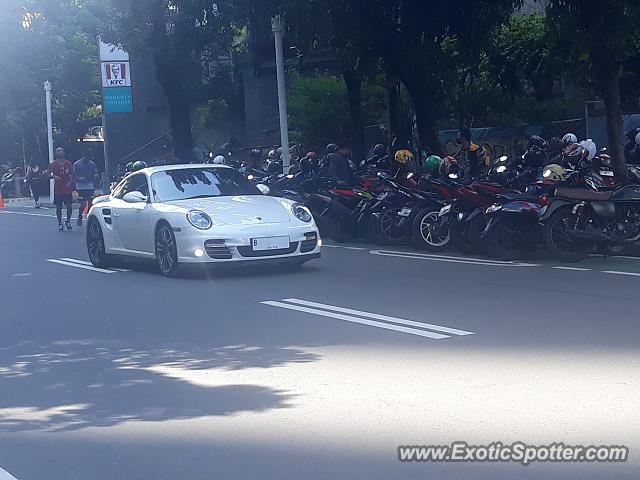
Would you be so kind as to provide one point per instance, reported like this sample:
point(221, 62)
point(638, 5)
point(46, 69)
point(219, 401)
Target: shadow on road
point(55, 387)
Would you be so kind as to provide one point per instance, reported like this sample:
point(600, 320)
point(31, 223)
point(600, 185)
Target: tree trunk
point(608, 73)
point(425, 117)
point(393, 109)
point(179, 113)
point(353, 81)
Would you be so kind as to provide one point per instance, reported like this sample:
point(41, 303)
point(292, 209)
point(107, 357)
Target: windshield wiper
point(201, 196)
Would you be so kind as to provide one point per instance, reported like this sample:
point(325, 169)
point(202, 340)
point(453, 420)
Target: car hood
point(239, 210)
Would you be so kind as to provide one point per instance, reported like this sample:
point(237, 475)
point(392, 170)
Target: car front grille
point(310, 243)
point(248, 251)
point(217, 250)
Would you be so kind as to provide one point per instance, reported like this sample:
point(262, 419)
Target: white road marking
point(21, 275)
point(575, 269)
point(355, 316)
point(631, 274)
point(4, 475)
point(79, 265)
point(84, 262)
point(436, 258)
point(375, 316)
point(346, 318)
point(25, 213)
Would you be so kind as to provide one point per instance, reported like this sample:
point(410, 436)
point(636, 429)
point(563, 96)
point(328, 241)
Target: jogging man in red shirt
point(62, 171)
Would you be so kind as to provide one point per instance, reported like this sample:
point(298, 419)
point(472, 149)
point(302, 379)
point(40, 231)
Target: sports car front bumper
point(234, 244)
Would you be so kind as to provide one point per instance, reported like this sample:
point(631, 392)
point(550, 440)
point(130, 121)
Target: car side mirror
point(263, 189)
point(135, 197)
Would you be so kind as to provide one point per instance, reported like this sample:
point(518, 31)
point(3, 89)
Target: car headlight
point(199, 219)
point(301, 213)
point(496, 207)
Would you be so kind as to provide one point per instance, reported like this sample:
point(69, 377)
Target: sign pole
point(106, 176)
point(276, 26)
point(47, 89)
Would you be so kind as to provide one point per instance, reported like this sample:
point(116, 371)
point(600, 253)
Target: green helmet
point(432, 164)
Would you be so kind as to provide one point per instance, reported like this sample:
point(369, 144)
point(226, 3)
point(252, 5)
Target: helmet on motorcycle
point(332, 148)
point(129, 167)
point(590, 146)
point(569, 138)
point(139, 166)
point(638, 139)
point(432, 164)
point(449, 165)
point(554, 173)
point(539, 142)
point(312, 155)
point(272, 154)
point(219, 160)
point(404, 156)
point(574, 153)
point(279, 152)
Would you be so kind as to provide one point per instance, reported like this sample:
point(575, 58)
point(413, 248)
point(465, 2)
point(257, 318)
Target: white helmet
point(569, 138)
point(638, 139)
point(590, 146)
point(219, 160)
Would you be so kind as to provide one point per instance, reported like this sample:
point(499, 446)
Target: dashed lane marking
point(89, 264)
point(81, 266)
point(411, 327)
point(574, 269)
point(614, 272)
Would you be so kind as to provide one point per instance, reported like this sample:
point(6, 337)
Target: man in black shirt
point(340, 168)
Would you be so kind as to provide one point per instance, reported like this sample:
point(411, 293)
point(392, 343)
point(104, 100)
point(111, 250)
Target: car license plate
point(405, 212)
point(444, 210)
point(269, 243)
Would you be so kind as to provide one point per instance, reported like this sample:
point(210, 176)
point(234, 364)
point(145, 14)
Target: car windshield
point(191, 183)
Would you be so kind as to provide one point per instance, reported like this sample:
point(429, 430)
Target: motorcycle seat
point(580, 194)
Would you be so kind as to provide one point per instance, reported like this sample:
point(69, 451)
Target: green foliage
point(319, 109)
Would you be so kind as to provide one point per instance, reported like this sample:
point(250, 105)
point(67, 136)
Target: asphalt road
point(317, 374)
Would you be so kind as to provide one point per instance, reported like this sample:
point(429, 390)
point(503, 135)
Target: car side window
point(136, 183)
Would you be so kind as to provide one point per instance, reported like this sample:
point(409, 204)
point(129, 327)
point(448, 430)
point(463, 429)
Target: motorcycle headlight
point(199, 219)
point(493, 208)
point(301, 213)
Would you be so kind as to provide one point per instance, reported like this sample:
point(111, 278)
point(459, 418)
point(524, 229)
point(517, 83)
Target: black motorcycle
point(577, 220)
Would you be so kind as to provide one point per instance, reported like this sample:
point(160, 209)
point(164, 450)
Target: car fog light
point(198, 252)
point(319, 242)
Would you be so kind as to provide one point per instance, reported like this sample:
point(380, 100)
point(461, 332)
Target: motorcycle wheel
point(467, 236)
point(504, 244)
point(425, 233)
point(558, 241)
point(384, 230)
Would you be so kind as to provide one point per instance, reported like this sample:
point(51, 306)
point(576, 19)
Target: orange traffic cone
point(1, 200)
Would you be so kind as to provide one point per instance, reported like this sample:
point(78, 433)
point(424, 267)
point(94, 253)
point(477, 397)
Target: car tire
point(96, 246)
point(166, 250)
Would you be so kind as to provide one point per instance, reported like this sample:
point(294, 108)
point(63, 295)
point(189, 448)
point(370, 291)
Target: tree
point(181, 34)
point(598, 37)
point(411, 37)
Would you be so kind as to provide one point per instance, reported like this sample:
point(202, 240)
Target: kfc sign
point(116, 74)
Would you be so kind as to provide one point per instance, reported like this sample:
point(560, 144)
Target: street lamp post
point(276, 26)
point(47, 90)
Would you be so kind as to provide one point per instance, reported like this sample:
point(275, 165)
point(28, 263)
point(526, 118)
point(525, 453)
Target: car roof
point(165, 168)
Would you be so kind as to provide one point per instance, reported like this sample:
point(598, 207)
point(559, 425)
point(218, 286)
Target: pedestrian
point(84, 174)
point(340, 168)
point(61, 171)
point(32, 179)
